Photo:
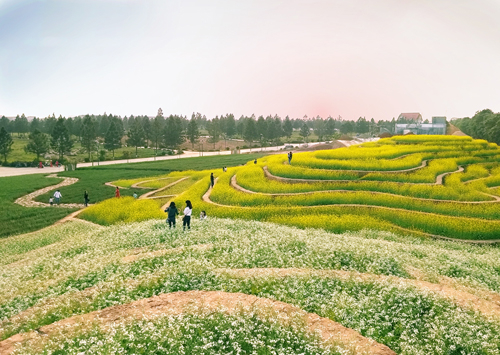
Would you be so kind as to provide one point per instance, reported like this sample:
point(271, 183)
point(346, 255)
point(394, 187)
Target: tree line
point(484, 124)
point(59, 134)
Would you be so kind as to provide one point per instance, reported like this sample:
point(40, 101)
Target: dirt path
point(148, 194)
point(213, 301)
point(28, 200)
point(461, 298)
point(439, 178)
point(206, 198)
point(235, 185)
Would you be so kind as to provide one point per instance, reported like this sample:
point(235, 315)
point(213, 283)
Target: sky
point(348, 58)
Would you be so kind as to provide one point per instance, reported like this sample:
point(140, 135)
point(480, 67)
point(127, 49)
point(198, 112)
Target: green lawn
point(16, 219)
point(93, 179)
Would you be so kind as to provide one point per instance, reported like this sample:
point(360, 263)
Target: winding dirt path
point(28, 200)
point(461, 298)
point(148, 194)
point(235, 185)
point(439, 178)
point(213, 301)
point(206, 198)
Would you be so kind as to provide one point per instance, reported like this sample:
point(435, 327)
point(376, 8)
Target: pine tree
point(288, 127)
point(38, 143)
point(214, 130)
point(136, 135)
point(113, 138)
point(250, 131)
point(172, 133)
point(89, 134)
point(158, 124)
point(61, 140)
point(193, 132)
point(5, 143)
point(304, 131)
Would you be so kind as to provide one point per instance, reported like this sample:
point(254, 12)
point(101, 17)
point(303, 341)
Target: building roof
point(411, 116)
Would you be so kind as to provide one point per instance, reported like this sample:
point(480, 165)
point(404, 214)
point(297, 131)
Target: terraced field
point(238, 284)
point(438, 186)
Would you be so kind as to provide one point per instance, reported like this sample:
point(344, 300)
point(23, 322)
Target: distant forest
point(170, 131)
point(484, 124)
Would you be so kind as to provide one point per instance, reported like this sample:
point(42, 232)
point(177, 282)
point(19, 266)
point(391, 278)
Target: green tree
point(330, 127)
point(89, 134)
point(136, 135)
point(230, 125)
point(148, 130)
point(362, 125)
point(38, 143)
point(288, 127)
point(35, 124)
point(304, 131)
point(193, 132)
point(214, 130)
point(114, 135)
point(5, 123)
point(320, 129)
point(262, 130)
point(21, 124)
point(250, 130)
point(5, 143)
point(61, 140)
point(158, 124)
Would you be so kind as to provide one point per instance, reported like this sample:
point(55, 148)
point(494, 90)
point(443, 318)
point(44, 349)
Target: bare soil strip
point(148, 194)
point(461, 298)
point(215, 301)
point(439, 178)
point(28, 200)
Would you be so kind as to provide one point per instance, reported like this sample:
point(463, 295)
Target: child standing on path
point(172, 212)
point(51, 201)
point(57, 196)
point(186, 220)
point(117, 192)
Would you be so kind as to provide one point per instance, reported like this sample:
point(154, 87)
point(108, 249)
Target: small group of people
point(290, 155)
point(56, 198)
point(40, 164)
point(172, 212)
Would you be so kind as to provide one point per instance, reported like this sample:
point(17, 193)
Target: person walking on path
point(186, 220)
point(86, 198)
point(290, 154)
point(57, 196)
point(57, 163)
point(117, 192)
point(172, 212)
point(212, 180)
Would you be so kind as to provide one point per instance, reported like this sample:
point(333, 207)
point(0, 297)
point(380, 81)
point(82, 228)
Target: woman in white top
point(186, 220)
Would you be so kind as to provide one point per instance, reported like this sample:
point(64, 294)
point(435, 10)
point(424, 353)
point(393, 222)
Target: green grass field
point(17, 219)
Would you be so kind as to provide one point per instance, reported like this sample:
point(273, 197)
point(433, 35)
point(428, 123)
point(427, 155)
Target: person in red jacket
point(117, 192)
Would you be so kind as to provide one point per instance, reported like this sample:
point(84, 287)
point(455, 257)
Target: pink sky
point(326, 57)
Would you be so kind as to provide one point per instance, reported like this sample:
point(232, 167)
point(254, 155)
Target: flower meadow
point(367, 281)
